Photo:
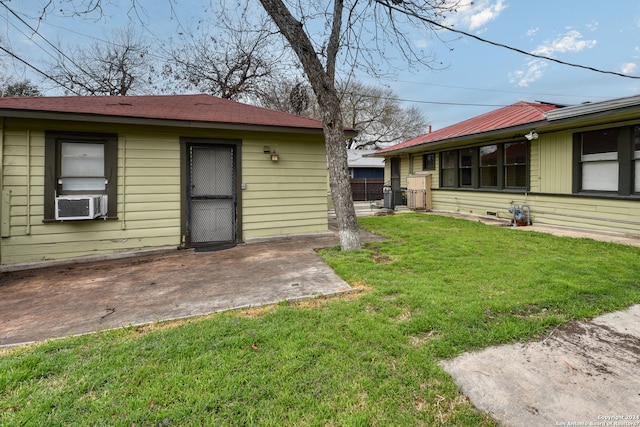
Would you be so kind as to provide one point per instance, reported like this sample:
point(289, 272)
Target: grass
point(436, 288)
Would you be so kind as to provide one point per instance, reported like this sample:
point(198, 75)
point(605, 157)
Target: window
point(515, 165)
point(489, 166)
point(81, 167)
point(466, 167)
point(607, 161)
point(429, 162)
point(448, 169)
point(79, 164)
point(599, 157)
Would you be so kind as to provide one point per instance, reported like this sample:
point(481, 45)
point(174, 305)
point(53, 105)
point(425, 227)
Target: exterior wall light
point(274, 156)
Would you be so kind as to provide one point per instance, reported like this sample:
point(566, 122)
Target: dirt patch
point(379, 258)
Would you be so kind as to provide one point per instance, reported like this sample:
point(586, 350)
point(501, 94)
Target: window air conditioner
point(69, 208)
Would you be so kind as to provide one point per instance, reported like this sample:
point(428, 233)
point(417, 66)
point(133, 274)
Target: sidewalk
point(582, 374)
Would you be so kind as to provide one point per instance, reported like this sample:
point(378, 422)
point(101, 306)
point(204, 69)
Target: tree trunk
point(323, 83)
point(339, 178)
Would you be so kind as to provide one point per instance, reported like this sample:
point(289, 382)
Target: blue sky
point(477, 77)
point(604, 35)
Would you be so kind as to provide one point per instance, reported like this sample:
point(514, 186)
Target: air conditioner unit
point(77, 207)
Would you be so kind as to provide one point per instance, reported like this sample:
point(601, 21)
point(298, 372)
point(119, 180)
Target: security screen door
point(212, 196)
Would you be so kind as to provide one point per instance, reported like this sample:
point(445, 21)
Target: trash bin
point(389, 202)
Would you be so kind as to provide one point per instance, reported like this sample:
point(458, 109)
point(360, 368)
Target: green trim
point(52, 166)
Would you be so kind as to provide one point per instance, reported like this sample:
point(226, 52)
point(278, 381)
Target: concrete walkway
point(69, 299)
point(583, 374)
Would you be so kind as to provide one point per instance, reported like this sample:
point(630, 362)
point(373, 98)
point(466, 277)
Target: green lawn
point(436, 288)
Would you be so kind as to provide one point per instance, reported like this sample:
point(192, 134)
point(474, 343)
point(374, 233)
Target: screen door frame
point(186, 146)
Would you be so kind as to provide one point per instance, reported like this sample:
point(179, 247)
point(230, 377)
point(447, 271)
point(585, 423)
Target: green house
point(576, 166)
point(84, 176)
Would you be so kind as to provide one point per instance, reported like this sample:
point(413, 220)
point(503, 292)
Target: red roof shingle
point(200, 108)
point(517, 114)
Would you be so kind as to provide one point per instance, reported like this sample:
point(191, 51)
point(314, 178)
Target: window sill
point(53, 220)
point(484, 190)
point(606, 195)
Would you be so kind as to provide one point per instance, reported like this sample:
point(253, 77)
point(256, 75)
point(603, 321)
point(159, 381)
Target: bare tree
point(292, 96)
point(357, 33)
point(378, 116)
point(375, 112)
point(231, 64)
point(119, 66)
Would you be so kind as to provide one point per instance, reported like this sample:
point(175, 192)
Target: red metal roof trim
point(201, 108)
point(502, 118)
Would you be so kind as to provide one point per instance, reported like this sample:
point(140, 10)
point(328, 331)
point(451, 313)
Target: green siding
point(581, 212)
point(405, 170)
point(284, 197)
point(411, 165)
point(551, 157)
point(281, 198)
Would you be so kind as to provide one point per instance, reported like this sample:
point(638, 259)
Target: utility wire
point(37, 69)
point(64, 55)
point(483, 40)
point(395, 98)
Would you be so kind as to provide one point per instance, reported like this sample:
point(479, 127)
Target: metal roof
point(590, 108)
point(521, 113)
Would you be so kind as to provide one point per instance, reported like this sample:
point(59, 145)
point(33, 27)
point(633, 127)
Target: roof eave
point(503, 133)
point(193, 124)
point(596, 109)
point(595, 116)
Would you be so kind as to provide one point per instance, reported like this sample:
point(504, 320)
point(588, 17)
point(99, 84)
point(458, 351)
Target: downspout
point(3, 196)
point(28, 226)
point(124, 182)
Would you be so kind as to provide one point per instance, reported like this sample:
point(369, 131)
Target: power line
point(64, 55)
point(483, 40)
point(460, 104)
point(519, 92)
point(397, 81)
point(13, 55)
point(377, 1)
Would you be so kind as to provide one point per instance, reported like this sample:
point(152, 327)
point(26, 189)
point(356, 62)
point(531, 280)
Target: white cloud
point(533, 31)
point(421, 43)
point(571, 41)
point(629, 68)
point(533, 72)
point(477, 14)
